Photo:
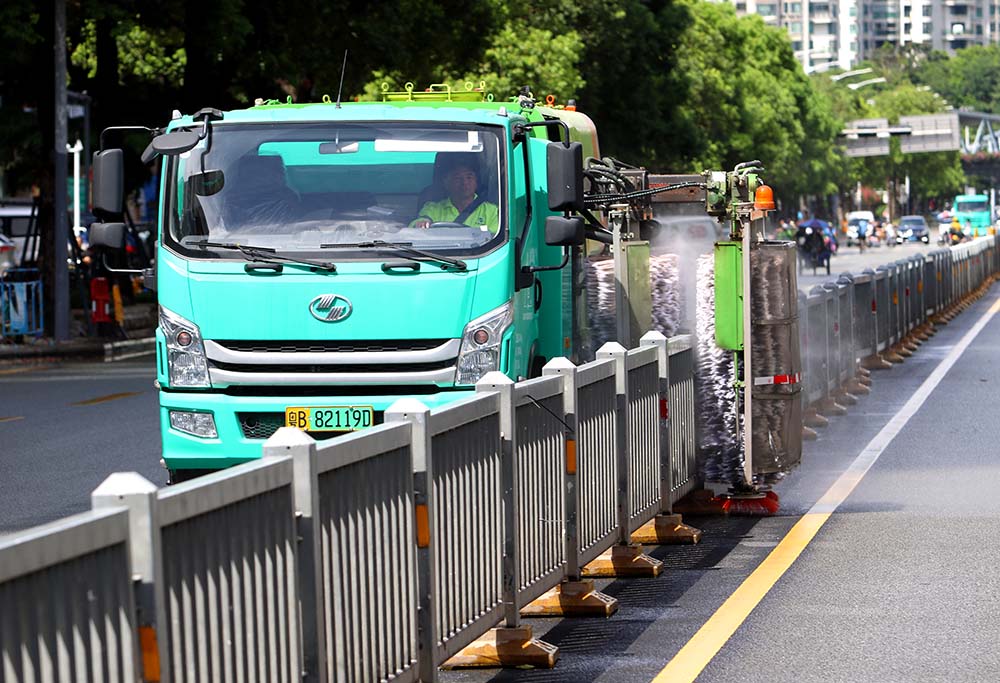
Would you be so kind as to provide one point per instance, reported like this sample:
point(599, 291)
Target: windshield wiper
point(264, 254)
point(405, 248)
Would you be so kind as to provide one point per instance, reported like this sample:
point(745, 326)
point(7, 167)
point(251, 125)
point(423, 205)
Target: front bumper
point(243, 423)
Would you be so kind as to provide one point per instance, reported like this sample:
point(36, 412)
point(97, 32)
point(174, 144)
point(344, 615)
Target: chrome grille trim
point(446, 351)
point(223, 378)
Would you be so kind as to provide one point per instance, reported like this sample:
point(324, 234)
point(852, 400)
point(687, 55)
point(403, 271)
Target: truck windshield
point(306, 187)
point(982, 205)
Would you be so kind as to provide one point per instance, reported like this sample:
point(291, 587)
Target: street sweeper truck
point(317, 262)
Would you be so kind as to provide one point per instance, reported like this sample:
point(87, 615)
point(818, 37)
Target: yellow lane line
point(105, 399)
point(17, 371)
point(11, 419)
point(692, 659)
point(706, 643)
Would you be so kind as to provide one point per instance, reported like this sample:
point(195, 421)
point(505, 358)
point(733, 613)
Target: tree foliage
point(676, 85)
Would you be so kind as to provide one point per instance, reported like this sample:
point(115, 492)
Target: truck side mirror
point(564, 232)
point(565, 176)
point(175, 142)
point(108, 235)
point(109, 181)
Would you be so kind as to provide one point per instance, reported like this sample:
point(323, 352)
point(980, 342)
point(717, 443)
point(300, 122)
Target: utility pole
point(60, 233)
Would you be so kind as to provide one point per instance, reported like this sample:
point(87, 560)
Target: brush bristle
point(763, 506)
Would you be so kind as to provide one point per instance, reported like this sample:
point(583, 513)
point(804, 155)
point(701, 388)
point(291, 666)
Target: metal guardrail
point(66, 607)
point(873, 315)
point(379, 555)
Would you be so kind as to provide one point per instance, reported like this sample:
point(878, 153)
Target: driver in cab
point(460, 179)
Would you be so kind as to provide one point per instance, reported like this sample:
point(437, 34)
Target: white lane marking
point(832, 499)
point(696, 654)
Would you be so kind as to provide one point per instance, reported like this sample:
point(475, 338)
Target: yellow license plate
point(330, 418)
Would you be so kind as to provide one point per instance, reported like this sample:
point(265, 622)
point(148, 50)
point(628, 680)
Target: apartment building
point(829, 34)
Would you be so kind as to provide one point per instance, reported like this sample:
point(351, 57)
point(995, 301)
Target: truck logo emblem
point(330, 308)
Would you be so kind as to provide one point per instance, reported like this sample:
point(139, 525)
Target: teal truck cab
point(308, 272)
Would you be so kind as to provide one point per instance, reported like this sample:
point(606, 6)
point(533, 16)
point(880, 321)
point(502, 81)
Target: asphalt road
point(900, 585)
point(64, 428)
point(850, 260)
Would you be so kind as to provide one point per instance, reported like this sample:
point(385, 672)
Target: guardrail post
point(133, 491)
point(666, 527)
point(418, 415)
point(288, 441)
point(624, 558)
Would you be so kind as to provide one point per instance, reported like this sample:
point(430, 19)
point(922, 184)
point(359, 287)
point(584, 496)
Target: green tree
point(748, 98)
point(969, 79)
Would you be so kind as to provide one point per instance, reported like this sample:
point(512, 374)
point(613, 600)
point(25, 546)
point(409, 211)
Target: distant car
point(913, 229)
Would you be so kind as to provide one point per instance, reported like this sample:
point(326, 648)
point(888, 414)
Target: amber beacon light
point(763, 198)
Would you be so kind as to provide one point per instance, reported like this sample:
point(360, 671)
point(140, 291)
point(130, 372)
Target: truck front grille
point(263, 425)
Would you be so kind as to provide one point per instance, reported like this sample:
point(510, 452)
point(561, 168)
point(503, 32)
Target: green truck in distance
point(973, 210)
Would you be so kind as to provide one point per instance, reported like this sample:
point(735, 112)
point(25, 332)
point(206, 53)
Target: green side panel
point(729, 295)
point(639, 291)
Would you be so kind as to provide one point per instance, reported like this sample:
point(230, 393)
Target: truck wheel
point(537, 363)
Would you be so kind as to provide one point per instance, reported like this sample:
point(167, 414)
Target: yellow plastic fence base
point(813, 419)
point(666, 530)
point(502, 647)
point(844, 397)
point(623, 561)
point(893, 357)
point(829, 406)
point(901, 350)
point(572, 599)
point(875, 362)
point(856, 387)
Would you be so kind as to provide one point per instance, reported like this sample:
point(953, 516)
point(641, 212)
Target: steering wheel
point(450, 224)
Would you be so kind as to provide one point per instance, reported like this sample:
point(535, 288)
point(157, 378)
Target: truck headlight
point(187, 365)
point(480, 352)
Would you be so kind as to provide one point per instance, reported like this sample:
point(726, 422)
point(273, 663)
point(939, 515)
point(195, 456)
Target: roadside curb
point(129, 348)
point(92, 349)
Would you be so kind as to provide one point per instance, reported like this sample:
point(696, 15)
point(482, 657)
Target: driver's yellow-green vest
point(443, 211)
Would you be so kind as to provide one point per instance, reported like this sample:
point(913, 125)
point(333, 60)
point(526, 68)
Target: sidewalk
point(139, 326)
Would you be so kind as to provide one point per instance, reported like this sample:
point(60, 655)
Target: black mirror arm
point(522, 240)
point(557, 124)
point(148, 274)
point(539, 269)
